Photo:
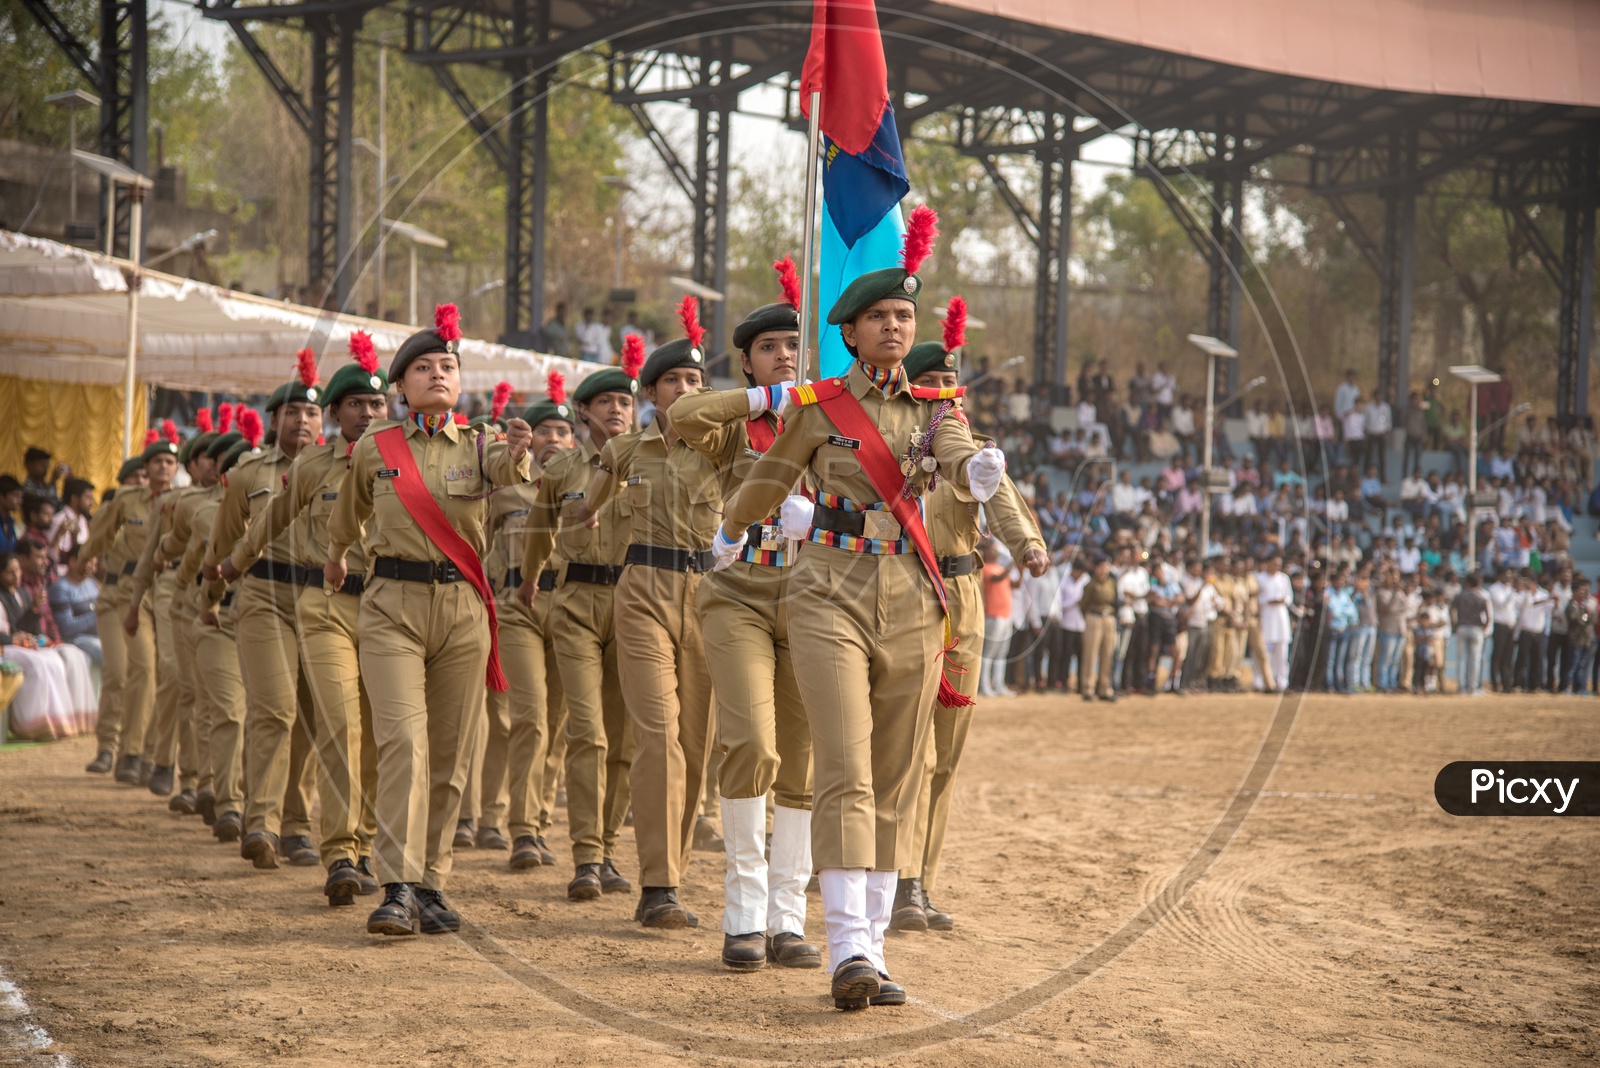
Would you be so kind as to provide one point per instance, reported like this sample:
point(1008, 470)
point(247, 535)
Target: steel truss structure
point(1017, 89)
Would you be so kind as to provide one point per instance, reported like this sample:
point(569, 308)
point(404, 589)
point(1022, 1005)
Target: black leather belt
point(278, 571)
point(390, 567)
point(594, 574)
point(838, 520)
point(130, 567)
point(354, 585)
point(956, 566)
point(547, 579)
point(112, 579)
point(670, 559)
point(227, 599)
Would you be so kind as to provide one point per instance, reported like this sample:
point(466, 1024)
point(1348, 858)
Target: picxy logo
point(1519, 788)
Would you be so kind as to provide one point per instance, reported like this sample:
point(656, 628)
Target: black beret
point(421, 343)
point(780, 316)
point(669, 357)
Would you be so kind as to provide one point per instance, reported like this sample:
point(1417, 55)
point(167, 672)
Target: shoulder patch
point(812, 392)
point(929, 394)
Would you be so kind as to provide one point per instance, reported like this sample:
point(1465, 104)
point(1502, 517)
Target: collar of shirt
point(887, 380)
point(432, 424)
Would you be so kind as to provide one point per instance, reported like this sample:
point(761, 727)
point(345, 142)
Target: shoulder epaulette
point(928, 393)
point(812, 392)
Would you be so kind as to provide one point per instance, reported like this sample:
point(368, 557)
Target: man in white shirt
point(1353, 426)
point(1162, 385)
point(1408, 557)
point(1124, 501)
point(1533, 626)
point(1347, 396)
point(594, 339)
point(1274, 594)
point(1204, 603)
point(1067, 648)
point(1378, 420)
point(1133, 589)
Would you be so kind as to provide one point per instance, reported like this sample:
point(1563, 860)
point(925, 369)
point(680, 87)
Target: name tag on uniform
point(636, 480)
point(752, 453)
point(519, 511)
point(331, 496)
point(259, 492)
point(844, 442)
point(136, 522)
point(574, 495)
point(389, 472)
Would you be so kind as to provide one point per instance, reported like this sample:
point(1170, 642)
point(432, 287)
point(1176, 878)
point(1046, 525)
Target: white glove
point(984, 471)
point(769, 398)
point(795, 517)
point(725, 552)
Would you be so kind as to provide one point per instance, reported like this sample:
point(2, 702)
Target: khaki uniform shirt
point(162, 525)
point(673, 493)
point(553, 524)
point(459, 465)
point(295, 521)
point(248, 488)
point(510, 526)
point(953, 523)
point(190, 554)
point(124, 525)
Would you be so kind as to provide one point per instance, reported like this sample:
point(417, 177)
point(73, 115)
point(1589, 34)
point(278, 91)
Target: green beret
point(419, 344)
point(298, 392)
point(158, 448)
point(546, 410)
point(670, 357)
point(929, 356)
point(780, 316)
point(236, 451)
point(275, 401)
point(195, 447)
point(870, 288)
point(605, 380)
point(351, 380)
point(223, 443)
point(130, 467)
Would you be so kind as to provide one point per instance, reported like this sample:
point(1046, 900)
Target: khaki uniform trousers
point(598, 736)
point(139, 681)
point(347, 762)
point(668, 693)
point(423, 651)
point(1226, 644)
point(485, 796)
point(537, 716)
point(866, 632)
point(1258, 655)
point(762, 733)
point(109, 610)
point(950, 727)
point(279, 717)
point(1096, 661)
point(217, 661)
point(172, 730)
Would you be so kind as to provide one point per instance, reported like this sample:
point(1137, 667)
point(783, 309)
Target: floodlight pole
point(1472, 481)
point(135, 222)
point(1205, 463)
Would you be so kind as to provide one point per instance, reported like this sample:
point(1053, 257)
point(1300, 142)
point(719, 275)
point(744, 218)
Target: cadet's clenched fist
point(519, 435)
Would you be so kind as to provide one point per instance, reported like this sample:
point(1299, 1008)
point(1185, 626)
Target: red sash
point(418, 500)
point(761, 432)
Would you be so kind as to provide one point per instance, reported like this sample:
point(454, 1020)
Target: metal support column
point(527, 143)
point(713, 127)
point(1224, 259)
point(1577, 285)
point(124, 99)
point(1054, 243)
point(322, 202)
point(343, 154)
point(1395, 280)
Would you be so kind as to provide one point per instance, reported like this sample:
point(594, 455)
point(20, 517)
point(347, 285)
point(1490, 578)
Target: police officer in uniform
point(599, 740)
point(866, 621)
point(415, 490)
point(744, 614)
point(675, 497)
point(108, 622)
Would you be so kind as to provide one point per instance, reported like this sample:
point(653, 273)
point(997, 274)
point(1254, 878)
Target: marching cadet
point(599, 741)
point(675, 497)
point(216, 650)
point(124, 526)
point(173, 738)
point(953, 530)
point(415, 490)
point(744, 615)
point(295, 521)
point(518, 774)
point(108, 623)
point(866, 602)
point(278, 712)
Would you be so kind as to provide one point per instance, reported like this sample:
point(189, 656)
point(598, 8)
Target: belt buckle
point(880, 525)
point(771, 537)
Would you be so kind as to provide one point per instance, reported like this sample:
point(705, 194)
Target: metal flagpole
point(806, 258)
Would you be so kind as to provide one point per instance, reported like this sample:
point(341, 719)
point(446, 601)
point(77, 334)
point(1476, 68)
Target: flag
point(863, 173)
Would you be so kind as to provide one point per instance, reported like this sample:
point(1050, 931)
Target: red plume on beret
point(633, 354)
point(555, 387)
point(151, 436)
point(921, 230)
point(502, 397)
point(447, 322)
point(169, 430)
point(202, 421)
point(306, 366)
point(250, 426)
point(689, 312)
point(363, 351)
point(955, 324)
point(789, 279)
point(224, 417)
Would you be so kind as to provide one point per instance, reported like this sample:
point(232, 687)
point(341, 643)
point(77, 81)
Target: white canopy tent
point(64, 318)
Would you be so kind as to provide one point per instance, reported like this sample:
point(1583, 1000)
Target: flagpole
point(806, 264)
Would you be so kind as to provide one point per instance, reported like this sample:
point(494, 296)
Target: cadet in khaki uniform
point(125, 525)
point(744, 614)
point(953, 530)
point(415, 490)
point(278, 706)
point(296, 521)
point(866, 624)
point(581, 621)
point(108, 624)
point(675, 497)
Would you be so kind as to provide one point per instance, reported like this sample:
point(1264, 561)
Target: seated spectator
point(1372, 498)
point(1286, 476)
point(1500, 465)
point(1408, 557)
point(57, 698)
point(1413, 490)
point(38, 513)
point(40, 480)
point(10, 507)
point(1338, 514)
point(71, 524)
point(72, 600)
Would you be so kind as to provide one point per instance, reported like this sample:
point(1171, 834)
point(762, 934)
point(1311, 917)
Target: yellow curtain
point(80, 425)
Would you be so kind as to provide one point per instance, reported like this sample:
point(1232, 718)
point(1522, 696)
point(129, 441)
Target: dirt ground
point(1197, 881)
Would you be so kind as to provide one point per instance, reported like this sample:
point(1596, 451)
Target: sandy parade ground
point(1176, 881)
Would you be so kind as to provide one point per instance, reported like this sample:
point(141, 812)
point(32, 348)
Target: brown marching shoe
point(525, 853)
point(659, 908)
point(491, 838)
point(261, 849)
point(792, 951)
point(465, 838)
point(585, 884)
